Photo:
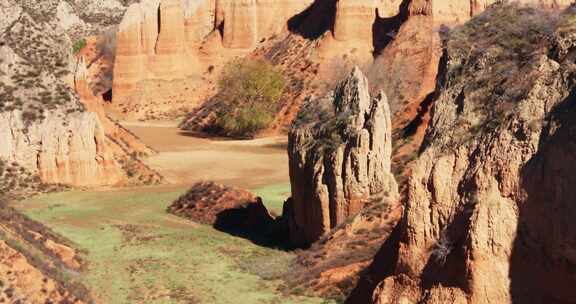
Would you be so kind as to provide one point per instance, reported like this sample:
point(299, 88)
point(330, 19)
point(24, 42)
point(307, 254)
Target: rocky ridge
point(45, 126)
point(35, 263)
point(479, 225)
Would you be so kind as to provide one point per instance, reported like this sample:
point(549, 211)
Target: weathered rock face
point(339, 150)
point(240, 27)
point(354, 20)
point(451, 13)
point(486, 220)
point(407, 71)
point(64, 148)
point(170, 45)
point(45, 127)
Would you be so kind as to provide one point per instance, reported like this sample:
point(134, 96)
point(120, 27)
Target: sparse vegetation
point(155, 251)
point(78, 45)
point(494, 59)
point(30, 238)
point(16, 182)
point(249, 91)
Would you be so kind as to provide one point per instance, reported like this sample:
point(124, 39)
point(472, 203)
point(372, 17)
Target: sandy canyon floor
point(138, 253)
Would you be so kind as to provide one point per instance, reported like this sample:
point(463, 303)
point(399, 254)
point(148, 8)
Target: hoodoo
point(339, 149)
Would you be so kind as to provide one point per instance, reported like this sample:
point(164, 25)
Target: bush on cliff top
point(249, 91)
point(495, 57)
point(79, 45)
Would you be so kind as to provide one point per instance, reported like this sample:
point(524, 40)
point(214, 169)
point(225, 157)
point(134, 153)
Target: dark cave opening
point(107, 96)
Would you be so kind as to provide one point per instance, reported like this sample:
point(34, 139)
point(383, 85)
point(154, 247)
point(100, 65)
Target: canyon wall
point(46, 128)
point(486, 220)
point(339, 156)
point(63, 148)
point(167, 49)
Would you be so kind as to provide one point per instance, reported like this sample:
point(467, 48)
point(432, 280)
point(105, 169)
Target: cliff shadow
point(543, 263)
point(254, 223)
point(315, 20)
point(446, 265)
point(383, 266)
point(385, 29)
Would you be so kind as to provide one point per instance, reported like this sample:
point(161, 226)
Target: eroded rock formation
point(70, 149)
point(486, 221)
point(175, 46)
point(339, 150)
point(45, 128)
point(354, 19)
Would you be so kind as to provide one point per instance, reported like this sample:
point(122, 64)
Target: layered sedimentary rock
point(63, 148)
point(45, 127)
point(407, 71)
point(124, 145)
point(240, 26)
point(171, 60)
point(486, 220)
point(339, 150)
point(171, 45)
point(354, 20)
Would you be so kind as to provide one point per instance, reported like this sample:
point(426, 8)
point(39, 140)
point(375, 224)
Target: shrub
point(78, 46)
point(249, 91)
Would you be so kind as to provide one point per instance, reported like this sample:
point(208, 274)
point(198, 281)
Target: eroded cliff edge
point(488, 206)
point(46, 128)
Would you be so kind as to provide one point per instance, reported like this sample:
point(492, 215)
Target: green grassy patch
point(138, 253)
point(274, 196)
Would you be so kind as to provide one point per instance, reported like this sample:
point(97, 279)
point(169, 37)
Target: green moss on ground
point(137, 253)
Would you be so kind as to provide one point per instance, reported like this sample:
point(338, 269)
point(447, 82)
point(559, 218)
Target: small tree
point(249, 91)
point(78, 46)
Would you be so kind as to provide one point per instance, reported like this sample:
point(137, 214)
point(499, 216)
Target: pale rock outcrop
point(45, 127)
point(199, 19)
point(389, 8)
point(246, 22)
point(170, 59)
point(240, 26)
point(339, 155)
point(124, 139)
point(63, 148)
point(136, 40)
point(490, 200)
point(354, 20)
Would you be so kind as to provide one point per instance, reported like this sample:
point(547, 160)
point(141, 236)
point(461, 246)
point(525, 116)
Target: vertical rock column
point(136, 41)
point(130, 57)
point(354, 20)
point(240, 26)
point(339, 151)
point(199, 17)
point(169, 62)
